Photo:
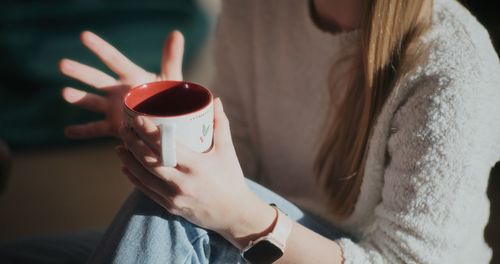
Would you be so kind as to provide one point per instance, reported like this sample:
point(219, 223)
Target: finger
point(86, 100)
point(142, 152)
point(152, 182)
point(222, 132)
point(157, 198)
point(166, 174)
point(151, 134)
point(89, 130)
point(148, 131)
point(151, 160)
point(185, 155)
point(114, 59)
point(86, 74)
point(173, 52)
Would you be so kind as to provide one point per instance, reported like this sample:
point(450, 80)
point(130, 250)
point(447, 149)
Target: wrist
point(254, 219)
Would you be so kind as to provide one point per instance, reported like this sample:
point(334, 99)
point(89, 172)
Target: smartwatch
point(269, 248)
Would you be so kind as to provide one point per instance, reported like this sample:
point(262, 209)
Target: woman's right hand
point(129, 75)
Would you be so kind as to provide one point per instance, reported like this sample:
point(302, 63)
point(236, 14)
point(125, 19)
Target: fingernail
point(73, 95)
point(88, 36)
point(150, 159)
point(65, 64)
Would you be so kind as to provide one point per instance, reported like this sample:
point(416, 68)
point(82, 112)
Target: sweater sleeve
point(437, 165)
point(233, 80)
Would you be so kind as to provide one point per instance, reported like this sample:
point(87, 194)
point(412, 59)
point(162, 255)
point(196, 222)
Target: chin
point(331, 26)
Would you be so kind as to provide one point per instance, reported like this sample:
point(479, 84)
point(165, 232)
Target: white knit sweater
point(423, 197)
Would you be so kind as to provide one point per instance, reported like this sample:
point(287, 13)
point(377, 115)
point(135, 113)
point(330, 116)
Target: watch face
point(264, 252)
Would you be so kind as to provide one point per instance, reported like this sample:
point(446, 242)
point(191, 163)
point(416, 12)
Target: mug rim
point(170, 85)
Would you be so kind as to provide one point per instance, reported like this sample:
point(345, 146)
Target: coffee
point(177, 100)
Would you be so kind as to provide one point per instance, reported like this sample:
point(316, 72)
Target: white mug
point(191, 124)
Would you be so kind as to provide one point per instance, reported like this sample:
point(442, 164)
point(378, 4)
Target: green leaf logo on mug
point(205, 129)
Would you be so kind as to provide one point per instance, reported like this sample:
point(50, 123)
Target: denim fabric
point(143, 232)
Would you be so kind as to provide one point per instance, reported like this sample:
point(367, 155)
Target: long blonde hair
point(389, 40)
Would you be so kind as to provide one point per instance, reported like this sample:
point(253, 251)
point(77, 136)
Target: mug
point(183, 111)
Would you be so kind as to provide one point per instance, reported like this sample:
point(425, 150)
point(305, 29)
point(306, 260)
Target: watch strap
point(276, 238)
point(282, 228)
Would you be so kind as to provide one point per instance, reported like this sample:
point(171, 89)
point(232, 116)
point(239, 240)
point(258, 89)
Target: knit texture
point(423, 197)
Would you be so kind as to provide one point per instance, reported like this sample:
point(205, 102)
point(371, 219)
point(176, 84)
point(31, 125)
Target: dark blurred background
point(47, 182)
point(57, 187)
point(36, 34)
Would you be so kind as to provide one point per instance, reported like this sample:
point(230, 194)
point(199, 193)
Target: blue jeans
point(143, 232)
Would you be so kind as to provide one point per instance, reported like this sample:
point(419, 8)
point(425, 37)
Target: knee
point(153, 218)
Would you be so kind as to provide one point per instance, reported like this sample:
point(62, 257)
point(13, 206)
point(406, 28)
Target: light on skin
point(204, 199)
point(73, 95)
point(304, 245)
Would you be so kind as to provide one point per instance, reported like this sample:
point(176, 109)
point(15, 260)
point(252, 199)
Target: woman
point(409, 113)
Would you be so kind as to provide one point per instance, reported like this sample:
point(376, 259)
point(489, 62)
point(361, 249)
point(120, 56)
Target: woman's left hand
point(208, 189)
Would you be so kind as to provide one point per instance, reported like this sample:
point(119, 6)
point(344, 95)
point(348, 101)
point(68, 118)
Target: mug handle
point(168, 149)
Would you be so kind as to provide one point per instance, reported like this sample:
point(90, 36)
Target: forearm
point(303, 245)
point(306, 246)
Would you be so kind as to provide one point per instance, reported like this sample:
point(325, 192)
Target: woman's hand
point(129, 75)
point(208, 189)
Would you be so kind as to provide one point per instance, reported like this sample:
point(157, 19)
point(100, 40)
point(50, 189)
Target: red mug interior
point(167, 98)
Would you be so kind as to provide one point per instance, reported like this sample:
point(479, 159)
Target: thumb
point(222, 132)
point(173, 52)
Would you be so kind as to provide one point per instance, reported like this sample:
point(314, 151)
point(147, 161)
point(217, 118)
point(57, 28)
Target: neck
point(336, 15)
